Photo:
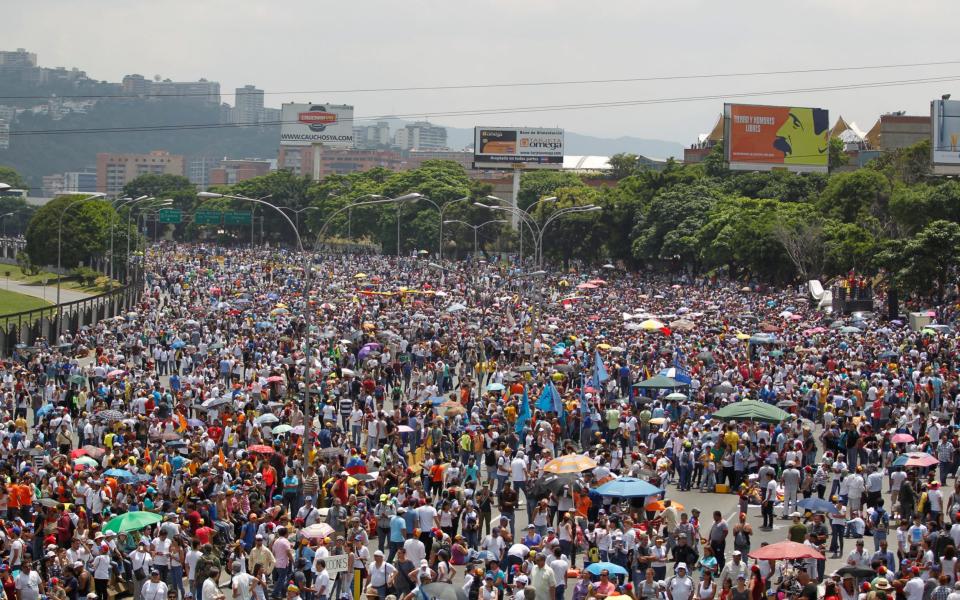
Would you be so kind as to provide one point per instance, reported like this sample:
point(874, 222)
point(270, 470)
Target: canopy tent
point(752, 410)
point(659, 382)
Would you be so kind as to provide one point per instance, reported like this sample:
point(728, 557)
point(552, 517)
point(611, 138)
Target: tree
point(85, 233)
point(623, 165)
point(924, 262)
point(852, 196)
point(535, 185)
point(681, 207)
point(836, 157)
point(803, 243)
point(157, 185)
point(909, 165)
point(10, 177)
point(848, 246)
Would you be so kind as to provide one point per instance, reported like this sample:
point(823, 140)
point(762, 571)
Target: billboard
point(945, 128)
point(764, 138)
point(517, 147)
point(306, 124)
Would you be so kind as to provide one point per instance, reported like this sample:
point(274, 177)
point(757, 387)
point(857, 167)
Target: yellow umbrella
point(743, 336)
point(570, 463)
point(657, 421)
point(651, 325)
point(360, 276)
point(281, 305)
point(604, 346)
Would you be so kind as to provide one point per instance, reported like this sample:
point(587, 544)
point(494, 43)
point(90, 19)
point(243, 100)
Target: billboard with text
point(517, 147)
point(945, 128)
point(763, 138)
point(306, 124)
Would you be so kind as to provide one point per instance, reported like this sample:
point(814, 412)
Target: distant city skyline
point(281, 49)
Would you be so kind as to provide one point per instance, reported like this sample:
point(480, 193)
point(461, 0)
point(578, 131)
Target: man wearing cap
point(260, 555)
point(733, 569)
point(154, 588)
point(913, 589)
point(680, 586)
point(381, 574)
point(241, 583)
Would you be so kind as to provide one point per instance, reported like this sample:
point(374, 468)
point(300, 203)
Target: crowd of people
point(405, 429)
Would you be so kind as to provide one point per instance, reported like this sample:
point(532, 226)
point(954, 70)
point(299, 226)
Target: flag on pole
point(545, 402)
point(524, 415)
point(558, 404)
point(598, 367)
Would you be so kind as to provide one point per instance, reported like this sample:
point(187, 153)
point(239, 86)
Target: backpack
point(881, 521)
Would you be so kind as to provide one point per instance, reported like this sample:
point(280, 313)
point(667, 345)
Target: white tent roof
point(587, 163)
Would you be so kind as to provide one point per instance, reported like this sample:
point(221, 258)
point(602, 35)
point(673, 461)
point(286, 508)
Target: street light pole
point(60, 245)
point(475, 228)
point(307, 440)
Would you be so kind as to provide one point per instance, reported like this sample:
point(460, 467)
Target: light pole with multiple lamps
point(475, 229)
point(537, 230)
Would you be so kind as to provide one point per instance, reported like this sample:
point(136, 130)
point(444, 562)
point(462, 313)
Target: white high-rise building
point(249, 105)
point(421, 135)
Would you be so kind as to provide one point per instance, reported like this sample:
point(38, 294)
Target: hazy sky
point(296, 46)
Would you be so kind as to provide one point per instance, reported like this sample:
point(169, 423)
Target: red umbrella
point(78, 453)
point(261, 449)
point(902, 438)
point(274, 379)
point(786, 551)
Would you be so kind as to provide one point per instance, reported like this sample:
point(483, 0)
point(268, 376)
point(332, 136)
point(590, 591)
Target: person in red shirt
point(204, 534)
point(64, 528)
point(340, 489)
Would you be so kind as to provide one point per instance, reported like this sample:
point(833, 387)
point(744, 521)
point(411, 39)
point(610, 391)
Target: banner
point(758, 137)
point(307, 124)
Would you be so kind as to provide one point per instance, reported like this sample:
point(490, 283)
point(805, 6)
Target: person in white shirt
point(381, 574)
point(322, 582)
point(242, 584)
point(154, 588)
point(141, 563)
point(161, 554)
point(28, 583)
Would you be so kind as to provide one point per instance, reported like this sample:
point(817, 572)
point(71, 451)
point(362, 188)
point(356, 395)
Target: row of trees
point(890, 216)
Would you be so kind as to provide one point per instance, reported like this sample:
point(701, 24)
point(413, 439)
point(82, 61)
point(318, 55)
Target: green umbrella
point(659, 382)
point(86, 460)
point(281, 429)
point(132, 521)
point(77, 379)
point(751, 410)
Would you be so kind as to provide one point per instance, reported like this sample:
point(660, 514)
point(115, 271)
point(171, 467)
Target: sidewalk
point(48, 292)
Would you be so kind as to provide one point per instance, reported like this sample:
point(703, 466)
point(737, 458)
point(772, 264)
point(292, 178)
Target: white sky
point(301, 45)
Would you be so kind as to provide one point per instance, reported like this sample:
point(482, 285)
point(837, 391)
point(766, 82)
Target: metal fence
point(31, 326)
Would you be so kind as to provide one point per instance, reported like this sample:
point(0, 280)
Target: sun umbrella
point(109, 415)
point(611, 568)
point(651, 325)
point(786, 404)
point(495, 387)
point(215, 402)
point(586, 286)
point(78, 453)
point(86, 460)
point(77, 379)
point(44, 410)
point(317, 531)
point(657, 421)
point(724, 388)
point(260, 449)
point(570, 463)
point(95, 451)
point(751, 410)
point(817, 505)
point(786, 551)
point(628, 487)
point(553, 482)
point(659, 505)
point(443, 591)
point(355, 465)
point(132, 521)
point(405, 429)
point(284, 428)
point(682, 325)
point(676, 397)
point(266, 419)
point(196, 423)
point(119, 473)
point(915, 459)
point(901, 438)
point(49, 502)
point(452, 408)
point(115, 373)
point(857, 572)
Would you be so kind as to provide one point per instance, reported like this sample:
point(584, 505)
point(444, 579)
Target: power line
point(518, 84)
point(504, 111)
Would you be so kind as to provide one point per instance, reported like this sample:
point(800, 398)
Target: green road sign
point(236, 218)
point(207, 217)
point(170, 215)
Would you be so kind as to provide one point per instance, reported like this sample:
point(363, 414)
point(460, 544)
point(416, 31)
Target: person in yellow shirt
point(731, 439)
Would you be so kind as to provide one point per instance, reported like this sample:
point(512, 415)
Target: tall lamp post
point(70, 205)
point(307, 312)
point(537, 230)
point(475, 229)
point(441, 210)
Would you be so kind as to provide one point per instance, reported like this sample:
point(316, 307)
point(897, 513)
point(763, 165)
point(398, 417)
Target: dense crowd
point(402, 429)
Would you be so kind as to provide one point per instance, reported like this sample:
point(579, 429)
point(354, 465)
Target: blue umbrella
point(495, 387)
point(264, 325)
point(628, 487)
point(613, 569)
point(817, 505)
point(44, 410)
point(119, 473)
point(435, 400)
point(177, 344)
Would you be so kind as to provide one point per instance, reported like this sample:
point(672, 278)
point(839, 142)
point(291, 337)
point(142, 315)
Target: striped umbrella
point(570, 463)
